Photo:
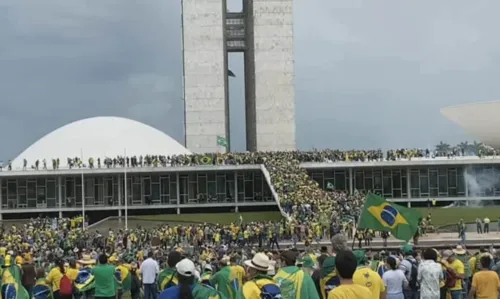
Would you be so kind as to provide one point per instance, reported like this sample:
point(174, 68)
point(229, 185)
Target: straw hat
point(86, 260)
point(259, 262)
point(459, 250)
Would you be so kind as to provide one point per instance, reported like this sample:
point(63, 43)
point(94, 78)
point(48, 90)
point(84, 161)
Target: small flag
point(231, 74)
point(329, 186)
point(222, 141)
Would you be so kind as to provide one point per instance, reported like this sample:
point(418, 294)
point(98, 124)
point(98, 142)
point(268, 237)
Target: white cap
point(185, 267)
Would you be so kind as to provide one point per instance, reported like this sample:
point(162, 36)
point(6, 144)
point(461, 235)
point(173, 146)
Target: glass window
point(359, 180)
point(368, 173)
point(340, 179)
point(396, 179)
point(258, 184)
point(155, 193)
point(136, 193)
point(397, 193)
point(434, 192)
point(329, 174)
point(12, 189)
point(146, 183)
point(461, 184)
point(452, 178)
point(377, 180)
point(89, 187)
point(433, 179)
point(424, 185)
point(51, 189)
point(173, 191)
point(387, 186)
point(368, 183)
point(31, 190)
point(415, 179)
point(443, 185)
point(249, 190)
point(221, 184)
point(212, 189)
point(202, 184)
point(164, 186)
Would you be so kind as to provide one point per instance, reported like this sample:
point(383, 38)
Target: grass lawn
point(222, 218)
point(440, 216)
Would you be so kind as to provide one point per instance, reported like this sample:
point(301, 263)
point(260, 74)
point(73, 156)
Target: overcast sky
point(369, 74)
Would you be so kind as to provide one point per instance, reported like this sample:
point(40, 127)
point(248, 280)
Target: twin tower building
point(263, 32)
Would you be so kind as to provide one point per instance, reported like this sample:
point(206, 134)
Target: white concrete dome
point(99, 137)
point(482, 120)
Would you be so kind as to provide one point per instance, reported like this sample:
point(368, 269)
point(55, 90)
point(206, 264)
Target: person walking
point(149, 270)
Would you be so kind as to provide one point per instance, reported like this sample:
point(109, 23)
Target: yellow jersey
point(364, 276)
point(350, 291)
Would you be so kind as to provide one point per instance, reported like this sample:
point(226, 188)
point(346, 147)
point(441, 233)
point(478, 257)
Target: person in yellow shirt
point(259, 281)
point(237, 271)
point(365, 276)
point(449, 260)
point(485, 283)
point(53, 279)
point(346, 265)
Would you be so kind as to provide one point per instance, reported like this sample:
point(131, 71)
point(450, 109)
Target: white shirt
point(149, 270)
point(394, 280)
point(429, 275)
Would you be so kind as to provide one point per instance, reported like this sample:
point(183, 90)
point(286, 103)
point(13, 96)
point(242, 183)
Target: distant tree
point(443, 147)
point(475, 147)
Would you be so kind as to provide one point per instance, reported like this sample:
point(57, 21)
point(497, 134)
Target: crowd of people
point(56, 258)
point(327, 155)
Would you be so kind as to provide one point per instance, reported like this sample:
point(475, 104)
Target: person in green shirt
point(222, 280)
point(294, 282)
point(105, 280)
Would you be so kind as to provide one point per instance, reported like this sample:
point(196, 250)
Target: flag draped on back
point(381, 215)
point(166, 278)
point(84, 281)
point(11, 280)
point(41, 290)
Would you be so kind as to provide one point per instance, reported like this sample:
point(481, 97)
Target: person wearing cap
point(223, 279)
point(293, 281)
point(365, 276)
point(464, 257)
point(485, 283)
point(187, 286)
point(258, 280)
point(346, 265)
point(207, 273)
point(449, 260)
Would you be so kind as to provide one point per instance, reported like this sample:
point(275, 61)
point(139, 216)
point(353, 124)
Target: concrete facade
point(263, 31)
point(205, 74)
point(270, 93)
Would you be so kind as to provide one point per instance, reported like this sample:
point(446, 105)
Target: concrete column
point(120, 198)
point(408, 185)
point(236, 191)
point(60, 195)
point(178, 184)
point(351, 180)
point(178, 211)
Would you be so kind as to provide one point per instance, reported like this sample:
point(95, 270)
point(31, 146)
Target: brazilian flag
point(11, 283)
point(380, 215)
point(167, 278)
point(41, 290)
point(84, 281)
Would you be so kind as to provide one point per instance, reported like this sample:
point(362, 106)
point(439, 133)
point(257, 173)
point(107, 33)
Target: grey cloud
point(369, 74)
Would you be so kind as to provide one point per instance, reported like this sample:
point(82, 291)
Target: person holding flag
point(294, 282)
point(223, 279)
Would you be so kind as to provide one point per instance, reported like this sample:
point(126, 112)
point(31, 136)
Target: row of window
point(421, 182)
point(141, 189)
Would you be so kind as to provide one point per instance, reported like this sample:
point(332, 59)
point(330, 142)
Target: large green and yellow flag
point(380, 215)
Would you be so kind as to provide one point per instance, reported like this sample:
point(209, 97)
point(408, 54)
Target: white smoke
point(478, 183)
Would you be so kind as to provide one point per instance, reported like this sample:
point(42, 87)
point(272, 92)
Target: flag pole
point(83, 189)
point(125, 184)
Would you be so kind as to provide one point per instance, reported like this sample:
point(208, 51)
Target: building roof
point(482, 120)
point(99, 137)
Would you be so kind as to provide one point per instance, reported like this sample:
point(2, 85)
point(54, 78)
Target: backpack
point(450, 278)
point(413, 283)
point(270, 291)
point(65, 286)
